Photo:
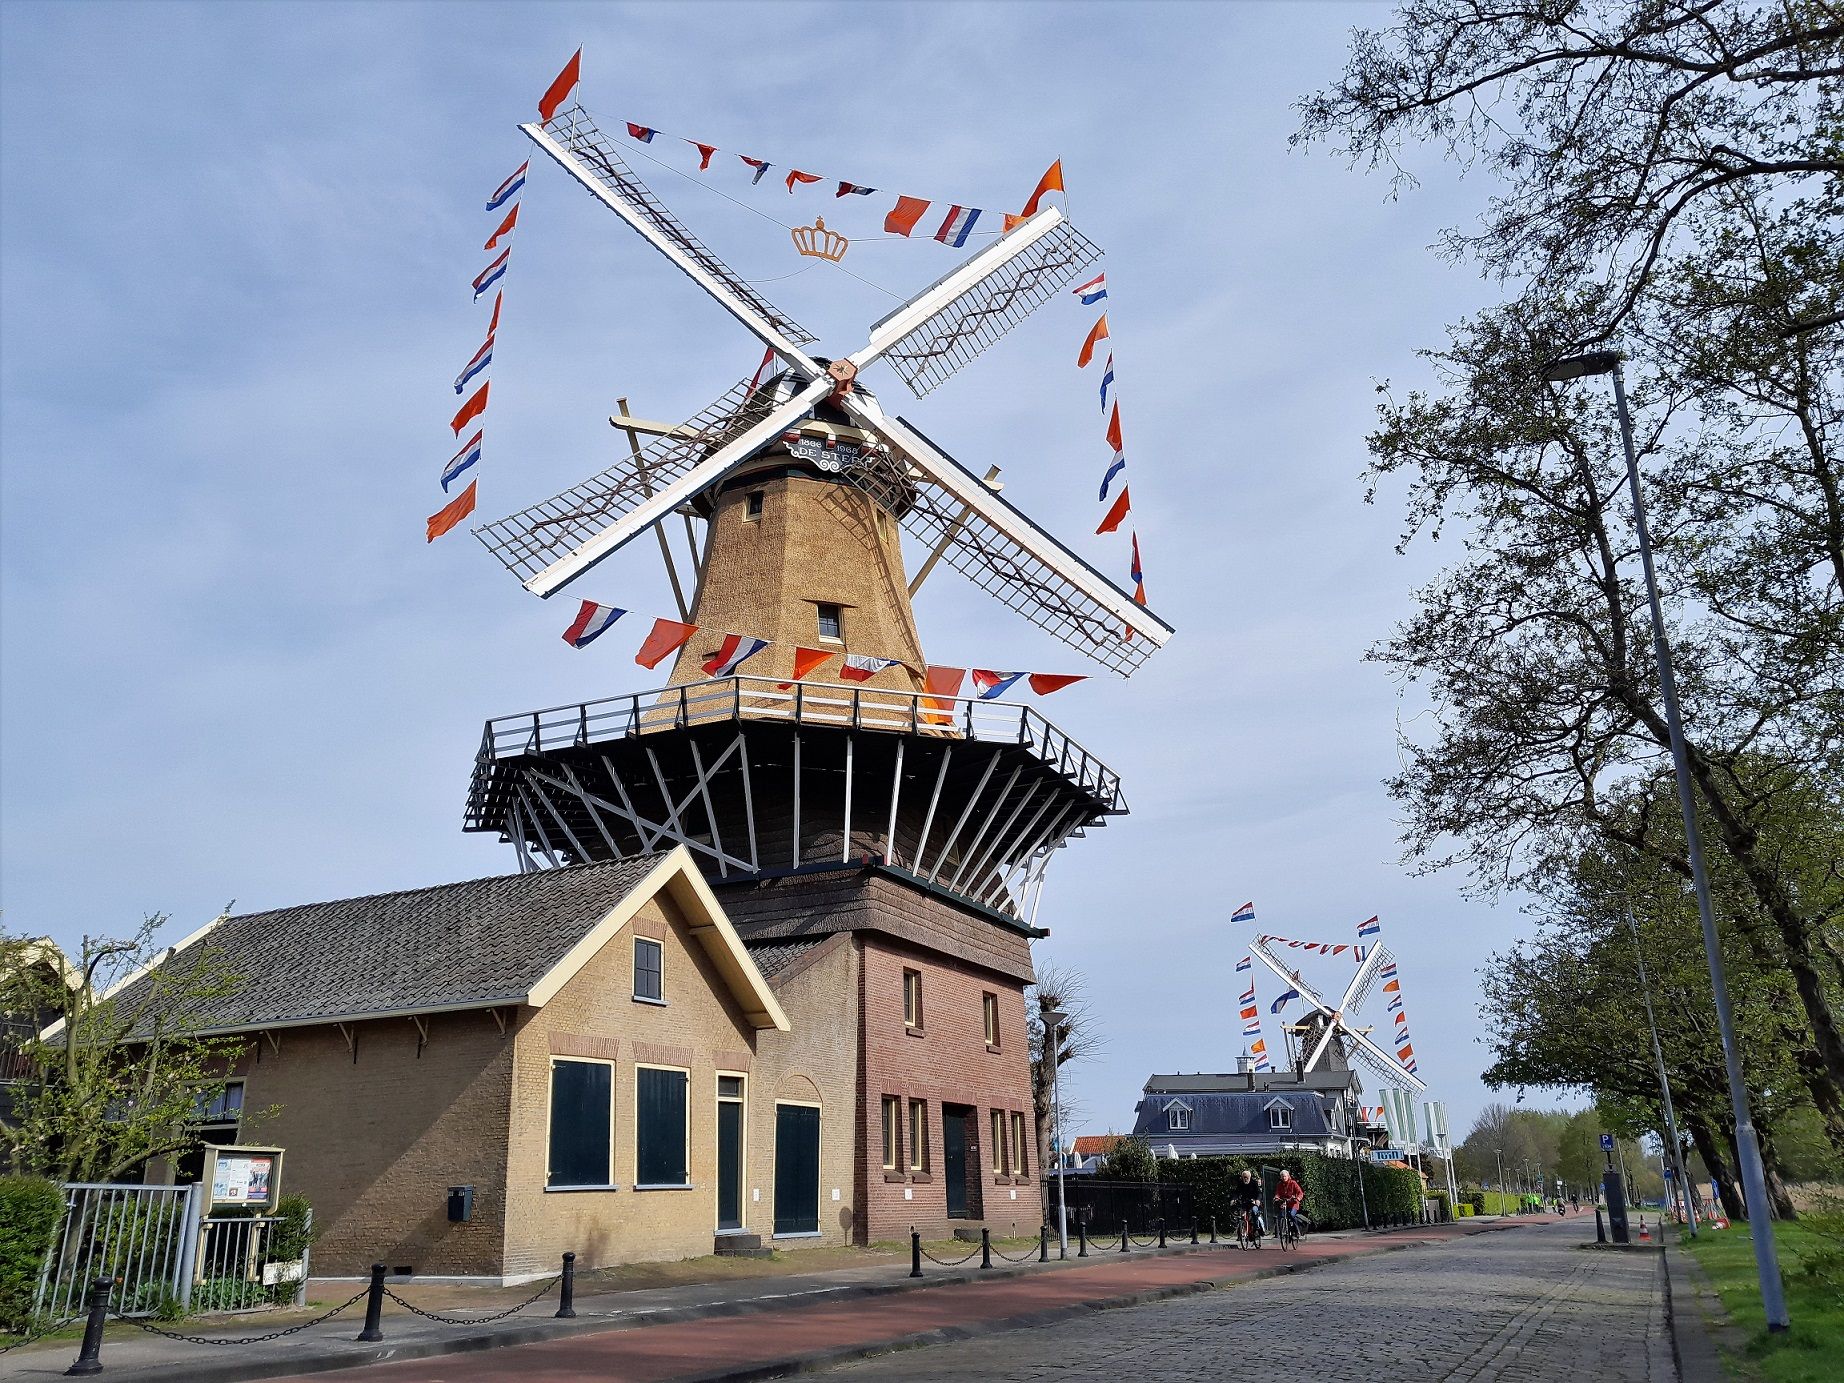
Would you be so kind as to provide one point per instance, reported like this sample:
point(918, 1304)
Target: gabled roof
point(1231, 1116)
point(512, 939)
point(1097, 1144)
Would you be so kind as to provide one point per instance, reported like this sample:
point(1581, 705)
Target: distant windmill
point(1329, 1028)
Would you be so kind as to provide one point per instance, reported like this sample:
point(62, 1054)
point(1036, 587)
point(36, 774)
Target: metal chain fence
point(973, 1253)
point(153, 1329)
point(473, 1320)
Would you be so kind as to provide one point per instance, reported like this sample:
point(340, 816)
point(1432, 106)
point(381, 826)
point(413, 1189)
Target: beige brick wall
point(375, 1142)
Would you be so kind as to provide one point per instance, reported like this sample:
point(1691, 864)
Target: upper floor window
point(989, 1007)
point(1178, 1117)
point(649, 961)
point(832, 621)
point(912, 999)
point(1280, 1116)
point(752, 505)
point(224, 1107)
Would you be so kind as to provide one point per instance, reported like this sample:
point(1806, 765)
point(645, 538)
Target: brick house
point(601, 1057)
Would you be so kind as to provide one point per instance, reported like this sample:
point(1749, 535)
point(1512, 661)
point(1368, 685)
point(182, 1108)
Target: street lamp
point(1054, 1018)
point(1754, 1184)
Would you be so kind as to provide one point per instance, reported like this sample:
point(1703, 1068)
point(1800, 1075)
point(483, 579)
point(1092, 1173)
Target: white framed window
point(1018, 1161)
point(662, 1127)
point(912, 999)
point(579, 1138)
point(649, 970)
point(918, 1135)
point(831, 620)
point(1280, 1115)
point(997, 1124)
point(893, 1131)
point(989, 1018)
point(1178, 1117)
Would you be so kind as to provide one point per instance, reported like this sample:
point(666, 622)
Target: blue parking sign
point(1606, 1142)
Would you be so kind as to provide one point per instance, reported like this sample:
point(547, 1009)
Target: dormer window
point(1178, 1117)
point(1280, 1115)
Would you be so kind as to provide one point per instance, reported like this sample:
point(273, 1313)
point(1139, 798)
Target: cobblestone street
point(1516, 1306)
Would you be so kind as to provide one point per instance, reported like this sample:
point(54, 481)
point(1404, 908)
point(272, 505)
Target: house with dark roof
point(1250, 1113)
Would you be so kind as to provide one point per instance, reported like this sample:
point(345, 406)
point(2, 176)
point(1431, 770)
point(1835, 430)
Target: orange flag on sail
point(1052, 181)
point(1117, 511)
point(668, 636)
point(1114, 429)
point(1043, 683)
point(559, 91)
point(452, 512)
point(472, 409)
point(493, 325)
point(505, 228)
point(1097, 333)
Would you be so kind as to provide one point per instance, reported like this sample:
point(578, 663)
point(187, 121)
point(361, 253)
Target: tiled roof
point(772, 957)
point(1096, 1144)
point(1217, 1117)
point(451, 946)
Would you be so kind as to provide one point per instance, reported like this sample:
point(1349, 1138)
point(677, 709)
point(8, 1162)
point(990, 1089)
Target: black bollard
point(89, 1357)
point(566, 1302)
point(374, 1306)
point(1213, 1229)
point(1082, 1238)
point(1123, 1236)
point(1194, 1229)
point(915, 1252)
point(1043, 1243)
point(985, 1247)
point(1161, 1232)
point(1600, 1227)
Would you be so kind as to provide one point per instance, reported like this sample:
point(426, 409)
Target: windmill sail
point(587, 155)
point(929, 340)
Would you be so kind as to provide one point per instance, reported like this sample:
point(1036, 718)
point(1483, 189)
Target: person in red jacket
point(1289, 1195)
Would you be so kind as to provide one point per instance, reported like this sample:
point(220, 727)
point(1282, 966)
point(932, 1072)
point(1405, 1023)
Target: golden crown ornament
point(817, 242)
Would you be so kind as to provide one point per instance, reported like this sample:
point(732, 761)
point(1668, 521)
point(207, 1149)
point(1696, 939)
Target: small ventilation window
point(831, 622)
point(752, 505)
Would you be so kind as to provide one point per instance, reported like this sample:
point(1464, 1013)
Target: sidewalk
point(760, 1326)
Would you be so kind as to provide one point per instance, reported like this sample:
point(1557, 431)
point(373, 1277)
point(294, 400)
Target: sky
point(235, 249)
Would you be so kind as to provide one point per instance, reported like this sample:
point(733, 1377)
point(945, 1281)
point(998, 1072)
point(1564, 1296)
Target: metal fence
point(1102, 1206)
point(142, 1236)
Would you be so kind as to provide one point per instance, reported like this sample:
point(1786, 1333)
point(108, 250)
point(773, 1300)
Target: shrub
point(31, 1209)
point(293, 1231)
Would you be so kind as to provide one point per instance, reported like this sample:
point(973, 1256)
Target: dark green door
point(729, 1163)
point(797, 1169)
point(954, 1162)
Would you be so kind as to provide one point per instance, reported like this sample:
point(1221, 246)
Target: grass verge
point(1812, 1267)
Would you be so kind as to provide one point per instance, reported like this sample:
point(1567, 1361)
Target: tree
point(1056, 988)
point(109, 1085)
point(1130, 1159)
point(1620, 130)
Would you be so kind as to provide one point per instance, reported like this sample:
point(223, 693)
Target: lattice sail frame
point(1358, 1044)
point(550, 544)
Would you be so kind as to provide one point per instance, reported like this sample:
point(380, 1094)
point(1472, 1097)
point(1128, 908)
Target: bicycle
point(1286, 1229)
point(1249, 1228)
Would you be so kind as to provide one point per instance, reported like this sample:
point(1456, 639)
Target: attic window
point(1178, 1118)
point(1280, 1116)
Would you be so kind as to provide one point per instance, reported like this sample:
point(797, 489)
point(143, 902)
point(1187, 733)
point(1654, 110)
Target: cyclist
point(1247, 1194)
point(1289, 1196)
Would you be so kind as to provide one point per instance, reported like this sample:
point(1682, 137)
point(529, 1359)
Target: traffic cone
point(1645, 1235)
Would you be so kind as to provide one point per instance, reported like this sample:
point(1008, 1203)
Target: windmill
point(1328, 1035)
point(806, 485)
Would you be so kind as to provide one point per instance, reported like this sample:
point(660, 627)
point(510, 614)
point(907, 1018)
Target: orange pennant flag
point(505, 228)
point(498, 298)
point(1052, 181)
point(1114, 429)
point(943, 682)
point(667, 636)
point(904, 215)
point(1098, 333)
point(1043, 683)
point(1012, 222)
point(472, 409)
point(1117, 511)
point(559, 91)
point(797, 176)
point(452, 512)
point(805, 660)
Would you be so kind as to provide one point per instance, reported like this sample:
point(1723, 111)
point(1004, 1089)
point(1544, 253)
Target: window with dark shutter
point(649, 982)
point(659, 1127)
point(582, 1094)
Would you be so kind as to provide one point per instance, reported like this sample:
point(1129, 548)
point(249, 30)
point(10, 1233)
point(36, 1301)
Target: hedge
point(1330, 1184)
point(31, 1209)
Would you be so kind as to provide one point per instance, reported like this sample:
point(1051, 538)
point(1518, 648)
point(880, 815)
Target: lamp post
point(1499, 1155)
point(1760, 1228)
point(1054, 1018)
point(1674, 1161)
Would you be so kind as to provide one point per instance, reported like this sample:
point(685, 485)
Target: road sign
point(1606, 1142)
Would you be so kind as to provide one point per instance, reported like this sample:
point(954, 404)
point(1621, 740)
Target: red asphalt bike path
point(719, 1345)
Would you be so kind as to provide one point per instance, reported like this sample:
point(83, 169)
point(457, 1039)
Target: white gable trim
point(679, 879)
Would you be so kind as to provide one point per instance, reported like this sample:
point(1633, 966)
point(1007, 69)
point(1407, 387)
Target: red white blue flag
point(641, 132)
point(1246, 963)
point(509, 188)
point(732, 652)
point(1245, 913)
point(1139, 576)
point(468, 455)
point(1093, 291)
point(492, 274)
point(862, 667)
point(760, 165)
point(1251, 1021)
point(591, 622)
point(957, 225)
point(482, 358)
point(1115, 467)
point(992, 684)
point(1371, 928)
point(1107, 382)
point(851, 189)
point(1283, 1001)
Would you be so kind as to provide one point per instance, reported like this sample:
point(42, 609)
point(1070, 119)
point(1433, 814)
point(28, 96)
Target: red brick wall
point(947, 1062)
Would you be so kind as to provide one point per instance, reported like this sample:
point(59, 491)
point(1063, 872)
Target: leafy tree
point(1131, 1159)
point(108, 1084)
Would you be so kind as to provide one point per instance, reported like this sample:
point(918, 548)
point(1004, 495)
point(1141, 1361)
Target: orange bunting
point(797, 176)
point(1052, 181)
point(559, 91)
point(1114, 428)
point(1116, 511)
point(452, 513)
point(1097, 333)
point(505, 228)
point(667, 636)
point(805, 661)
point(1043, 683)
point(472, 409)
point(943, 683)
